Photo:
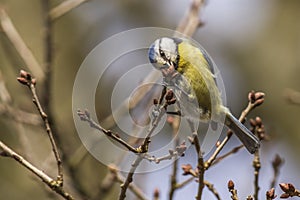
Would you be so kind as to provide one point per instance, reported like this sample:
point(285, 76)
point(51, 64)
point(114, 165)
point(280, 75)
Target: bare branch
point(191, 21)
point(276, 165)
point(256, 165)
point(233, 151)
point(129, 177)
point(19, 44)
point(232, 190)
point(119, 178)
point(19, 115)
point(212, 189)
point(85, 116)
point(64, 8)
point(26, 79)
point(53, 184)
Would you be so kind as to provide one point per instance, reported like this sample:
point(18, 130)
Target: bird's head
point(163, 54)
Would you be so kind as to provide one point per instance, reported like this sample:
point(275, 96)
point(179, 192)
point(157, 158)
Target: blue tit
point(189, 70)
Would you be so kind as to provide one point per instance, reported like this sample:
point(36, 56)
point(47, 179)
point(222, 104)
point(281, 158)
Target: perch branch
point(129, 177)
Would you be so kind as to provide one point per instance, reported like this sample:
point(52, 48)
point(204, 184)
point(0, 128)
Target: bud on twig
point(230, 185)
point(256, 98)
point(289, 190)
point(271, 194)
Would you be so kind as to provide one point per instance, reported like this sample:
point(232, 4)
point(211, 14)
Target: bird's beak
point(168, 71)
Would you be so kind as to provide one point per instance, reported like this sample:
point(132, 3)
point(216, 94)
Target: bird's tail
point(250, 141)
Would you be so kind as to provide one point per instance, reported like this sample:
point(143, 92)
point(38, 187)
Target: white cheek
point(161, 60)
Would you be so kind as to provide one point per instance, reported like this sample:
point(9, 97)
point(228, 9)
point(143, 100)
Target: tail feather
point(250, 141)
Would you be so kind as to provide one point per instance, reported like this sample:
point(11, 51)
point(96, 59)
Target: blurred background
point(255, 45)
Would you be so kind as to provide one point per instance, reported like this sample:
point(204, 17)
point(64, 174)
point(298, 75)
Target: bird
point(190, 71)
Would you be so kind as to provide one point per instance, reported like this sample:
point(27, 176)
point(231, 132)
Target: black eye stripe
point(161, 52)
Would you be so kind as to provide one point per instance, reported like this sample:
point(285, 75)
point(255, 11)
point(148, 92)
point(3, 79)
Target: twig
point(175, 126)
point(85, 116)
point(20, 115)
point(200, 166)
point(4, 94)
point(119, 178)
point(254, 99)
point(108, 181)
point(48, 57)
point(191, 21)
point(156, 194)
point(289, 190)
point(129, 177)
point(19, 44)
point(26, 79)
point(232, 190)
point(256, 165)
point(184, 183)
point(179, 151)
point(212, 189)
point(233, 151)
point(64, 8)
point(158, 112)
point(270, 194)
point(55, 185)
point(276, 164)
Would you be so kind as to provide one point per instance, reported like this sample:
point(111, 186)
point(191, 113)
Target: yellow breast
point(195, 68)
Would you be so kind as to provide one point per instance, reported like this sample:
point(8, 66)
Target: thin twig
point(4, 94)
point(63, 8)
point(256, 165)
point(200, 166)
point(276, 165)
point(233, 151)
point(129, 177)
point(85, 116)
point(184, 183)
point(26, 79)
point(173, 181)
point(179, 151)
point(289, 190)
point(48, 57)
point(20, 115)
point(19, 44)
point(158, 113)
point(53, 184)
point(120, 179)
point(232, 190)
point(108, 181)
point(212, 189)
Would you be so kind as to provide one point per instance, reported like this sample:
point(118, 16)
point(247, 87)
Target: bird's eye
point(162, 53)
